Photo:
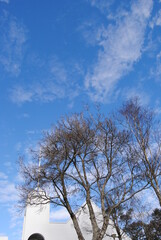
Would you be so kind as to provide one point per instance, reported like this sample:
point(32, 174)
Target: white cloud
point(121, 46)
point(58, 71)
point(8, 165)
point(23, 115)
point(156, 21)
point(58, 84)
point(102, 5)
point(16, 217)
point(59, 215)
point(129, 93)
point(12, 39)
point(2, 234)
point(37, 92)
point(5, 1)
point(3, 176)
point(9, 198)
point(18, 146)
point(148, 199)
point(8, 192)
point(21, 95)
point(157, 107)
point(156, 71)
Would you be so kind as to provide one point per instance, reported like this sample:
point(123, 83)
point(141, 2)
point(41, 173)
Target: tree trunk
point(118, 232)
point(103, 229)
point(76, 226)
point(158, 193)
point(156, 188)
point(95, 229)
point(114, 218)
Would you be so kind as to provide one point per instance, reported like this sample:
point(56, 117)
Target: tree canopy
point(87, 158)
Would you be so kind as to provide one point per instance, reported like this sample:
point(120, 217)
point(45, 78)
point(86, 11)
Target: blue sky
point(55, 56)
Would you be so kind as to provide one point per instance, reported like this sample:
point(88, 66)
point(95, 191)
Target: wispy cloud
point(8, 192)
point(13, 36)
point(9, 198)
point(3, 176)
point(37, 92)
point(5, 1)
point(156, 69)
point(156, 21)
point(129, 93)
point(59, 215)
point(102, 5)
point(58, 84)
point(120, 47)
point(58, 70)
point(16, 221)
point(21, 95)
point(16, 217)
point(158, 65)
point(2, 234)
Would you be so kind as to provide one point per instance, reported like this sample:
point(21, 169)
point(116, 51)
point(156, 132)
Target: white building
point(37, 225)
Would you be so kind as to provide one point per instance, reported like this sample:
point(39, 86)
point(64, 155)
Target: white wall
point(3, 238)
point(35, 220)
point(38, 222)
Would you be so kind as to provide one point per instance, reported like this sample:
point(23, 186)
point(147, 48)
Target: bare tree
point(121, 217)
point(146, 142)
point(84, 158)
